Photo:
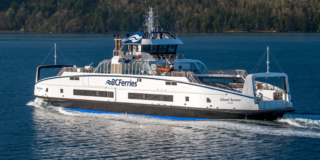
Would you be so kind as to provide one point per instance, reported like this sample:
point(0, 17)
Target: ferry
point(146, 76)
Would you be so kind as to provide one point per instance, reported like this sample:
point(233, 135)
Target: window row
point(74, 78)
point(153, 49)
point(171, 83)
point(93, 93)
point(155, 97)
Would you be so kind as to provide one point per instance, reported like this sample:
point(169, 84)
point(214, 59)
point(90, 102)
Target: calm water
point(29, 130)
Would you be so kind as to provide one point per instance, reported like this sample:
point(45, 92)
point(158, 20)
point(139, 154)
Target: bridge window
point(163, 49)
point(187, 99)
point(145, 48)
point(172, 48)
point(154, 49)
point(208, 100)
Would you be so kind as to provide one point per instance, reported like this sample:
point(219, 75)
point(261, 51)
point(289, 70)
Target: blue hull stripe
point(155, 116)
point(146, 78)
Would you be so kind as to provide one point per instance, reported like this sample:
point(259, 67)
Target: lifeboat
point(163, 69)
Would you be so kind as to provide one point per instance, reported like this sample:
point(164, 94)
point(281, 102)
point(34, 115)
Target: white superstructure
point(147, 76)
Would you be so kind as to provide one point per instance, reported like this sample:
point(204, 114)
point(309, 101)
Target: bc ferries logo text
point(120, 82)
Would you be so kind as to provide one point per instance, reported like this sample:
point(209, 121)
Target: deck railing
point(193, 78)
point(242, 73)
point(218, 85)
point(78, 69)
point(188, 74)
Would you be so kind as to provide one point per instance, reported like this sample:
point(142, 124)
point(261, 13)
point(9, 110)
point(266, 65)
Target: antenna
point(55, 53)
point(268, 59)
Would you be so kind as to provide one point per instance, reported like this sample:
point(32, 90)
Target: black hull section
point(171, 111)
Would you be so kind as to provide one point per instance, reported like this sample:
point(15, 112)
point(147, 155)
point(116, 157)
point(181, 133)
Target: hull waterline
point(166, 111)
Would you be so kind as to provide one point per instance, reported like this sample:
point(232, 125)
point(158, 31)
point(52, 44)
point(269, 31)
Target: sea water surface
point(31, 130)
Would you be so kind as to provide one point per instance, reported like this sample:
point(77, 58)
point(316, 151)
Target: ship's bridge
point(151, 41)
point(160, 44)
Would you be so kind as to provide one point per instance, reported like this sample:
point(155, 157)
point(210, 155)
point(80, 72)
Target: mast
point(55, 54)
point(268, 59)
point(151, 22)
point(150, 19)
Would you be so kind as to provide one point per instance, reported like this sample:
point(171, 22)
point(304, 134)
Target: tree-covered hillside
point(102, 16)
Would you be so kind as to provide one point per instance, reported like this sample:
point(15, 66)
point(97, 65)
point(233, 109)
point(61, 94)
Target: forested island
point(183, 16)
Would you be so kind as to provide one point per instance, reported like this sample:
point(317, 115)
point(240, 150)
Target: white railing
point(193, 77)
point(242, 73)
point(190, 75)
point(78, 69)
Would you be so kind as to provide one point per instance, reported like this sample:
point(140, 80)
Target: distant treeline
point(108, 16)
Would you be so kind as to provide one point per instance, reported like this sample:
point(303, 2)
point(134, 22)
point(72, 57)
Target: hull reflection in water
point(59, 131)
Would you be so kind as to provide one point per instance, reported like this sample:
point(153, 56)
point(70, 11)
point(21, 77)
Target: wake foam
point(310, 124)
point(302, 120)
point(31, 103)
point(68, 113)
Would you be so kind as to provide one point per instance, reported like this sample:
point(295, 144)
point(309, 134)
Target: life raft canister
point(162, 69)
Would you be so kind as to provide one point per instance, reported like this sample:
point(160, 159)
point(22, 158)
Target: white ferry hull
point(166, 111)
point(224, 104)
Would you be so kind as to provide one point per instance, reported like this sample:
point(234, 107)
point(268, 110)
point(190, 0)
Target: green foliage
point(109, 16)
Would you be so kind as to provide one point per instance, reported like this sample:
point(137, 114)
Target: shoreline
point(262, 31)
